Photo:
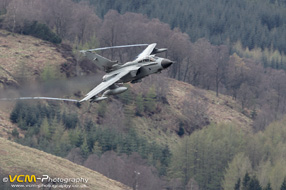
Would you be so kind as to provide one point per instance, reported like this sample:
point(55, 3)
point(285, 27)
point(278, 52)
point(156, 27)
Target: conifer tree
point(45, 129)
point(236, 169)
point(84, 148)
point(96, 148)
point(254, 184)
point(268, 187)
point(102, 109)
point(129, 113)
point(245, 181)
point(16, 113)
point(139, 105)
point(237, 185)
point(283, 186)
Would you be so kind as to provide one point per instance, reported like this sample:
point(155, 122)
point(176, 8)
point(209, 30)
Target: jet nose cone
point(166, 63)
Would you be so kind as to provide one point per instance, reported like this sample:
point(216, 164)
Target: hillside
point(160, 126)
point(26, 58)
point(189, 108)
point(141, 128)
point(212, 120)
point(18, 159)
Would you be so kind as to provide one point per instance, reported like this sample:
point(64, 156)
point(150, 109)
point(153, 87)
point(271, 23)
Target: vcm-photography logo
point(20, 178)
point(44, 178)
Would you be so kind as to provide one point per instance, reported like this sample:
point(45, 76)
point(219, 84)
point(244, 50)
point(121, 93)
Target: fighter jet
point(145, 64)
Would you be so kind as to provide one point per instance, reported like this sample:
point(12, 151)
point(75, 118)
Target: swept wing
point(146, 52)
point(104, 63)
point(104, 85)
point(112, 80)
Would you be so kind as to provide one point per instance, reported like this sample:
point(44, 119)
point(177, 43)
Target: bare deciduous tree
point(3, 5)
point(86, 22)
point(200, 59)
point(69, 20)
point(219, 65)
point(122, 168)
point(195, 112)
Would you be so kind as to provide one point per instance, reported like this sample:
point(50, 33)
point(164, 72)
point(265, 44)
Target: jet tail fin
point(100, 61)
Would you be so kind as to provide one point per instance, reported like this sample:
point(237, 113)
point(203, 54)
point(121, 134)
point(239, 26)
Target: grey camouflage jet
point(145, 64)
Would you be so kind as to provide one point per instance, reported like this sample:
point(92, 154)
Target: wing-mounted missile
point(109, 92)
point(156, 50)
point(97, 99)
point(115, 91)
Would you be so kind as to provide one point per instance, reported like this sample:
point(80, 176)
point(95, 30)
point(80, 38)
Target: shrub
point(41, 31)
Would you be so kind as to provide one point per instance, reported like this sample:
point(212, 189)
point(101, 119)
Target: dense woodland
point(199, 160)
point(235, 48)
point(255, 23)
point(82, 141)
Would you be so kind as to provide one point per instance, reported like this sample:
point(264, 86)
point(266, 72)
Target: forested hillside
point(232, 70)
point(203, 154)
point(214, 120)
point(258, 25)
point(254, 23)
point(137, 129)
